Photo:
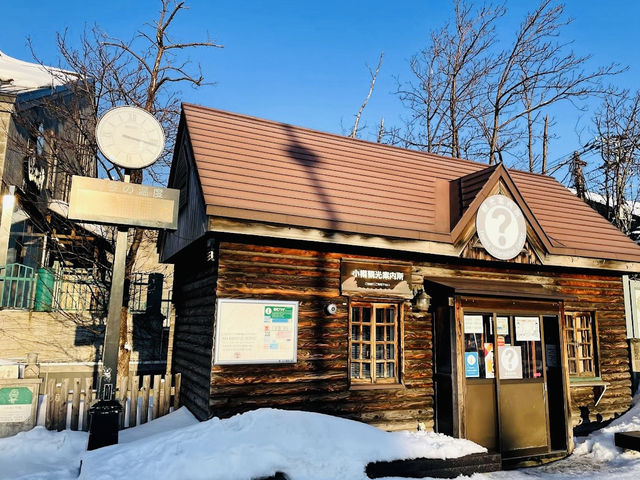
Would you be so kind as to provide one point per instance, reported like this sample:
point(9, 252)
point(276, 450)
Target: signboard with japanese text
point(503, 325)
point(471, 365)
point(15, 404)
point(473, 324)
point(256, 331)
point(385, 279)
point(119, 203)
point(527, 329)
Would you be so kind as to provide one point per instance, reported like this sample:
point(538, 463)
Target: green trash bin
point(44, 290)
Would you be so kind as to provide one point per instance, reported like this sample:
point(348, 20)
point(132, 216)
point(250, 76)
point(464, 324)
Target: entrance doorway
point(511, 374)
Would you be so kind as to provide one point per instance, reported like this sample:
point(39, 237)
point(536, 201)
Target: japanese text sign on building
point(120, 203)
point(255, 331)
point(375, 278)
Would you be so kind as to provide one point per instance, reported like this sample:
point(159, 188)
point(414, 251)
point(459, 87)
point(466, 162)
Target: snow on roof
point(18, 76)
point(629, 205)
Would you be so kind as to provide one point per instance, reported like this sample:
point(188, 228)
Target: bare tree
point(372, 84)
point(445, 97)
point(617, 126)
point(468, 97)
point(542, 69)
point(143, 71)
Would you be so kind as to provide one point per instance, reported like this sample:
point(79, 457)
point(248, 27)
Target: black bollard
point(104, 422)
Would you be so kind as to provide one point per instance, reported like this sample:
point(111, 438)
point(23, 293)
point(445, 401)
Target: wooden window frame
point(574, 340)
point(374, 381)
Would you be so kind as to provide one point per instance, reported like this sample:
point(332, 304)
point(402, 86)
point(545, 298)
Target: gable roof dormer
point(473, 189)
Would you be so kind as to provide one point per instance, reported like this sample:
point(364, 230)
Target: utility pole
point(545, 144)
point(578, 175)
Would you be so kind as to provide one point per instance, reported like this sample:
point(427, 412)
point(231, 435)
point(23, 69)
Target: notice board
point(256, 331)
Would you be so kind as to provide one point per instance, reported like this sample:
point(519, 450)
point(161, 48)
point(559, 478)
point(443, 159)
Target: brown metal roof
point(260, 170)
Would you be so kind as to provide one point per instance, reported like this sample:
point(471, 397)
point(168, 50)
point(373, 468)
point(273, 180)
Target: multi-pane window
point(581, 344)
point(373, 343)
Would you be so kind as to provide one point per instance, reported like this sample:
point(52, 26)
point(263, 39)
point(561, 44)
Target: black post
point(104, 415)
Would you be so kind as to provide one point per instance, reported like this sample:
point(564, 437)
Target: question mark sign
point(508, 357)
point(505, 213)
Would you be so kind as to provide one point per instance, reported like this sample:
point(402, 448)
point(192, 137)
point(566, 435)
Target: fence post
point(75, 404)
point(176, 391)
point(51, 395)
point(146, 382)
point(88, 386)
point(156, 397)
point(133, 411)
point(167, 394)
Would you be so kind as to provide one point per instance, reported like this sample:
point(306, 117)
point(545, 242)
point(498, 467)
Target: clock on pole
point(130, 137)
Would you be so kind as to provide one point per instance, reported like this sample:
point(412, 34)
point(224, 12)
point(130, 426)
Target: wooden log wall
point(319, 380)
point(194, 299)
point(593, 292)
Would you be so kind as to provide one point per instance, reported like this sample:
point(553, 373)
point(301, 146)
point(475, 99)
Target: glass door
point(505, 396)
point(481, 423)
point(522, 392)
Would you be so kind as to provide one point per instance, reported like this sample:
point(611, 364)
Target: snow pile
point(179, 419)
point(41, 454)
point(600, 444)
point(303, 445)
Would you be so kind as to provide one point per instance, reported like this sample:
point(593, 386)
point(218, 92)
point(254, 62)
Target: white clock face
point(130, 137)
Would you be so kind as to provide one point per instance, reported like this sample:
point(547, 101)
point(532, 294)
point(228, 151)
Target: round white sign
point(501, 227)
point(130, 137)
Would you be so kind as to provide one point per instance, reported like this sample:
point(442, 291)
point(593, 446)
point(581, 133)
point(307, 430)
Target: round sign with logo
point(501, 227)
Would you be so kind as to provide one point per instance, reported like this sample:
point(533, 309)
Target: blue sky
point(304, 62)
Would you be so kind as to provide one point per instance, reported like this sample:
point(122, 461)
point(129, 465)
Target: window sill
point(587, 382)
point(599, 386)
point(376, 386)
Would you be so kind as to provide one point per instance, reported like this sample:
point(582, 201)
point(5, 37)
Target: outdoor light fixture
point(422, 301)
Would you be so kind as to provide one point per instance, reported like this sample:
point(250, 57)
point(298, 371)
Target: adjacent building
point(54, 273)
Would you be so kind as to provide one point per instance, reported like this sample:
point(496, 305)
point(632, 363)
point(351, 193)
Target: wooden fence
point(68, 401)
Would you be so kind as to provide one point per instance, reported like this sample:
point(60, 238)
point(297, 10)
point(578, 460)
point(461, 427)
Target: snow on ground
point(41, 454)
point(303, 445)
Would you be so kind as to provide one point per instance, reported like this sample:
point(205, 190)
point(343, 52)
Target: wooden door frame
point(497, 305)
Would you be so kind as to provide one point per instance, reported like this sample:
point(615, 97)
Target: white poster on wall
point(503, 325)
point(473, 324)
point(256, 331)
point(527, 329)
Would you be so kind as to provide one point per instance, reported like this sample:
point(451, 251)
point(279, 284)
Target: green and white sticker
point(15, 404)
point(278, 313)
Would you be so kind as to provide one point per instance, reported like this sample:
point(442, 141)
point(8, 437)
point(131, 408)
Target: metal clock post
point(131, 138)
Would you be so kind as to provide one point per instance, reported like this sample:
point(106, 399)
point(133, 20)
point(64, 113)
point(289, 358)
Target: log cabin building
point(394, 287)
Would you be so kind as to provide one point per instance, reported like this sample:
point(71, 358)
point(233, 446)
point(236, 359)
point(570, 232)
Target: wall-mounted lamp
point(422, 301)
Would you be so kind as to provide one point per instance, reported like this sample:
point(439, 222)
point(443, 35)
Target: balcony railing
point(77, 290)
point(16, 286)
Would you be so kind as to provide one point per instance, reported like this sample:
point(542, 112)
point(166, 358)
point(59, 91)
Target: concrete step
point(628, 440)
point(435, 467)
